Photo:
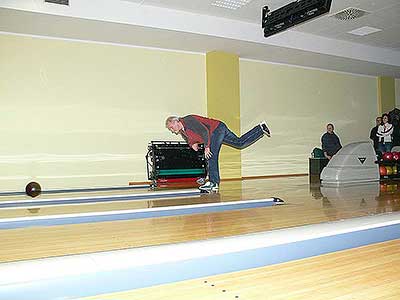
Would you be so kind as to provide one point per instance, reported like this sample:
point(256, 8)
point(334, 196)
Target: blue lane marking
point(73, 287)
point(82, 200)
point(166, 212)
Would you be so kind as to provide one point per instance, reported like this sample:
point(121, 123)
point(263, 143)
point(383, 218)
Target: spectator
point(373, 134)
point(384, 134)
point(330, 142)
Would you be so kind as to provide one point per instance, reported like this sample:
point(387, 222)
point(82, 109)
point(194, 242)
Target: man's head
point(330, 128)
point(173, 124)
point(378, 121)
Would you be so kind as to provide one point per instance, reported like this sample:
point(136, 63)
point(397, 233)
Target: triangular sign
point(362, 159)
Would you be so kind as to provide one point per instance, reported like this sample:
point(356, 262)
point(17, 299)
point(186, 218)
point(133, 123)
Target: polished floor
point(305, 204)
point(370, 272)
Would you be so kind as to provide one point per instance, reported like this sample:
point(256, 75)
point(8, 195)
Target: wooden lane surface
point(99, 207)
point(37, 210)
point(302, 208)
point(369, 273)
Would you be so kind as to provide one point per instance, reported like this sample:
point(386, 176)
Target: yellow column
point(223, 103)
point(386, 94)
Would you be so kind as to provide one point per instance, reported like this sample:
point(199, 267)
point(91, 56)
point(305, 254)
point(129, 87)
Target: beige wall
point(397, 87)
point(77, 114)
point(298, 103)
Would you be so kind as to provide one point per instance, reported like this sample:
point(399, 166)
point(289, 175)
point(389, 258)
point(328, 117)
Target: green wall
point(77, 114)
point(297, 104)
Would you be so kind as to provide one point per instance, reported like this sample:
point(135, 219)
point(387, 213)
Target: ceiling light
point(230, 4)
point(364, 30)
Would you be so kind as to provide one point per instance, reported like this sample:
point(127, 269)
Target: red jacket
point(198, 129)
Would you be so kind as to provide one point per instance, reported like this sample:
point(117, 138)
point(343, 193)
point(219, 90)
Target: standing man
point(330, 142)
point(212, 133)
point(373, 134)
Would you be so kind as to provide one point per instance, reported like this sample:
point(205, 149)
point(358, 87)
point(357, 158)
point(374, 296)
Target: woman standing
point(384, 134)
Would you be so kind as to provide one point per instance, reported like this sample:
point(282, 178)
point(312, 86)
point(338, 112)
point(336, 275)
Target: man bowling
point(212, 133)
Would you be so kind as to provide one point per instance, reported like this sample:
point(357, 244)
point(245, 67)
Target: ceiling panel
point(248, 13)
point(23, 22)
point(385, 14)
point(371, 5)
point(386, 18)
point(385, 38)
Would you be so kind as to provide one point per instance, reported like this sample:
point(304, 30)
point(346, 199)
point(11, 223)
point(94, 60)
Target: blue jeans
point(385, 147)
point(222, 135)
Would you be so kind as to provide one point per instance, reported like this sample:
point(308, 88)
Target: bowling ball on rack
point(387, 156)
point(33, 189)
point(382, 171)
point(394, 169)
point(389, 170)
point(396, 156)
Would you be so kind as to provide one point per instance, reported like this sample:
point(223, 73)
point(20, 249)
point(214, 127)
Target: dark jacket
point(373, 137)
point(330, 143)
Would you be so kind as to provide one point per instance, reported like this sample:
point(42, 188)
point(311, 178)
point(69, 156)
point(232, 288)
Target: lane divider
point(32, 203)
point(132, 214)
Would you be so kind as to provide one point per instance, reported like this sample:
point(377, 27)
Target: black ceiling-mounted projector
point(292, 14)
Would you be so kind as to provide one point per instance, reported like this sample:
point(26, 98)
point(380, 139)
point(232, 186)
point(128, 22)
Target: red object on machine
point(178, 182)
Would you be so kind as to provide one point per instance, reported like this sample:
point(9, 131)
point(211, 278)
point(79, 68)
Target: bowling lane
point(99, 207)
point(369, 272)
point(78, 193)
point(305, 204)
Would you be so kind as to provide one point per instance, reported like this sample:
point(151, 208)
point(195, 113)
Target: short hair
point(170, 119)
point(330, 124)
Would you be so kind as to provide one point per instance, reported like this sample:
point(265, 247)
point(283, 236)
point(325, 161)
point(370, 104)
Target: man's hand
point(195, 147)
point(207, 152)
point(327, 156)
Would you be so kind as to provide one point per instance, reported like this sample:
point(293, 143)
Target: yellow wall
point(397, 87)
point(386, 94)
point(223, 103)
point(297, 104)
point(77, 114)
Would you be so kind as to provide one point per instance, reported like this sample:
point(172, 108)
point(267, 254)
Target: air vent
point(350, 13)
point(61, 2)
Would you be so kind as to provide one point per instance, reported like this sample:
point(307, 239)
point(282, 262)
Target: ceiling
point(196, 25)
point(384, 14)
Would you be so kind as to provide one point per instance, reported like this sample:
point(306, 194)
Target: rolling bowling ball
point(387, 156)
point(382, 170)
point(33, 189)
point(389, 170)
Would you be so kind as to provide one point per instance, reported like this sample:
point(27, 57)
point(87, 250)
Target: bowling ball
point(387, 156)
point(33, 189)
point(396, 156)
point(389, 170)
point(382, 170)
point(394, 169)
